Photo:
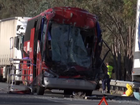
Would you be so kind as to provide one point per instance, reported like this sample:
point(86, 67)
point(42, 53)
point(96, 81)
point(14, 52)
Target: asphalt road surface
point(55, 99)
point(12, 99)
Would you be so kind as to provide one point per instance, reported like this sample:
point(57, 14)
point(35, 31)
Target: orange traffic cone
point(103, 99)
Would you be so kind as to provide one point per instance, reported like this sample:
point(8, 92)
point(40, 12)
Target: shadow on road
point(14, 99)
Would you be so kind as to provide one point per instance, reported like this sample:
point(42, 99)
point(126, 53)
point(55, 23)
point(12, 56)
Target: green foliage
point(129, 8)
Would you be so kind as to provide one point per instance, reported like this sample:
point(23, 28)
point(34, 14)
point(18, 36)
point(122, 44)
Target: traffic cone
point(103, 99)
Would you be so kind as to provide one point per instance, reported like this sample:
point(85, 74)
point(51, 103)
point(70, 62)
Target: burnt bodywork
point(65, 41)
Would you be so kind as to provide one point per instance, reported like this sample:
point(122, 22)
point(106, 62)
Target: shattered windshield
point(67, 45)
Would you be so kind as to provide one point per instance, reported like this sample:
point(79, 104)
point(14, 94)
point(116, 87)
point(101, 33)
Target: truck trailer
point(62, 48)
point(12, 31)
point(136, 59)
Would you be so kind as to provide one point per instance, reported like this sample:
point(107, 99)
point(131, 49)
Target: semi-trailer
point(12, 31)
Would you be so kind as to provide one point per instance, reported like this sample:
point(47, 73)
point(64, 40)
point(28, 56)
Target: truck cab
point(16, 46)
point(12, 31)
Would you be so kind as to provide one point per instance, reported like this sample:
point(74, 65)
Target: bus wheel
point(40, 90)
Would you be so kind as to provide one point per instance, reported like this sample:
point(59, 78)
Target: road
point(16, 99)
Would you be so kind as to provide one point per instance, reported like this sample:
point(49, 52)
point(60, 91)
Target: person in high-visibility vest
point(109, 70)
point(106, 80)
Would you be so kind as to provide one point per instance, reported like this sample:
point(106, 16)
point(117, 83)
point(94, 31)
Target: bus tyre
point(40, 90)
point(88, 92)
point(68, 92)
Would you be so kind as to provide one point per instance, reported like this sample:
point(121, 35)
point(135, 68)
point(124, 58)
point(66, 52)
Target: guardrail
point(118, 83)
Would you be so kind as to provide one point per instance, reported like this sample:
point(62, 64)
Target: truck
point(62, 48)
point(136, 59)
point(12, 31)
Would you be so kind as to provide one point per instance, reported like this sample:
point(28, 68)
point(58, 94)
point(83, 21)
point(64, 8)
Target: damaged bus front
point(64, 46)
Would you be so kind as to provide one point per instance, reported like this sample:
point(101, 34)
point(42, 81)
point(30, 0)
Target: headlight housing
point(47, 74)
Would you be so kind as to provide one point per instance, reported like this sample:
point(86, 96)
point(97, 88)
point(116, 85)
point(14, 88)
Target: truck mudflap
point(67, 83)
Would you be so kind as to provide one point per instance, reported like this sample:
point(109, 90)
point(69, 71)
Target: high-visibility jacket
point(109, 71)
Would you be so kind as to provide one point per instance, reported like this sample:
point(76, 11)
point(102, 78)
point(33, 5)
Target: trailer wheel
point(40, 90)
point(8, 80)
point(0, 78)
point(17, 82)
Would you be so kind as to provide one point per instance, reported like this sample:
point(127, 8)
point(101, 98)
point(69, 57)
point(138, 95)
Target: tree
point(117, 19)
